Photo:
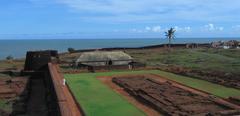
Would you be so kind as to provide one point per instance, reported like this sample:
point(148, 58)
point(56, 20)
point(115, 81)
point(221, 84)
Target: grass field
point(200, 59)
point(97, 98)
point(4, 64)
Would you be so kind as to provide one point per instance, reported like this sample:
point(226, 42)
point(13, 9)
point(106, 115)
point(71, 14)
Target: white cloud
point(221, 28)
point(136, 31)
point(236, 28)
point(212, 27)
point(187, 29)
point(156, 29)
point(159, 29)
point(148, 28)
point(182, 29)
point(155, 10)
point(116, 30)
point(133, 30)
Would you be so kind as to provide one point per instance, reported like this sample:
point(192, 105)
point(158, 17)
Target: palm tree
point(170, 34)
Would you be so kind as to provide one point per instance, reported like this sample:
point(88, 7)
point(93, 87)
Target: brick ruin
point(40, 98)
point(171, 99)
point(47, 96)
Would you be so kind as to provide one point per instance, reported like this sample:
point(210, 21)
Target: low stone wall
point(112, 67)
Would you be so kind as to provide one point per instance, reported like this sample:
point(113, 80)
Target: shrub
point(9, 57)
point(71, 50)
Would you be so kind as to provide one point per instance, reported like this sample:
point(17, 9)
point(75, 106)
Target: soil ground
point(24, 95)
point(148, 110)
point(12, 87)
point(13, 92)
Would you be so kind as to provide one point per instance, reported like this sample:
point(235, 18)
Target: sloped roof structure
point(98, 58)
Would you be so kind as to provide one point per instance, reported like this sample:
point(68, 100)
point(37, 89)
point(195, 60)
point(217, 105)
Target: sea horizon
point(18, 47)
point(178, 38)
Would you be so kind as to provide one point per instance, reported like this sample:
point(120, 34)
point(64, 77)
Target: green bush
point(9, 57)
point(71, 50)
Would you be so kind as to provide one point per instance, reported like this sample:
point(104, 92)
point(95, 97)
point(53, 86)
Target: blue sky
point(56, 19)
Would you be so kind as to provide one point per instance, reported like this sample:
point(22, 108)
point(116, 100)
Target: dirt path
point(36, 105)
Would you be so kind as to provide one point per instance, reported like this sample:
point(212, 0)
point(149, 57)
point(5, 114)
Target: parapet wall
point(66, 102)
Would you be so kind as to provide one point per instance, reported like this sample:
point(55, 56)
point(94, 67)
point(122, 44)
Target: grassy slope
point(201, 59)
point(95, 97)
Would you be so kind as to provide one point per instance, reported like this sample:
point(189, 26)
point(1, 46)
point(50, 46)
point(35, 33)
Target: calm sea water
point(18, 48)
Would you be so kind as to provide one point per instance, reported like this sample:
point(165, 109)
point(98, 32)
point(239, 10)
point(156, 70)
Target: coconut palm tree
point(170, 34)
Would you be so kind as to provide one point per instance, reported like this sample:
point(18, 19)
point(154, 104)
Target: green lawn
point(97, 98)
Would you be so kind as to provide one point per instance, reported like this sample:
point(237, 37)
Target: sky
point(82, 19)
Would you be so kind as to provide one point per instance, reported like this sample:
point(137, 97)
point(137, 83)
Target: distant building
point(104, 60)
point(216, 44)
point(225, 45)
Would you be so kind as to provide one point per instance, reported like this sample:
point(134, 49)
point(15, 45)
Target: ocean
point(18, 48)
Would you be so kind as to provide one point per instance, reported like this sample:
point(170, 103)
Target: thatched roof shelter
point(103, 58)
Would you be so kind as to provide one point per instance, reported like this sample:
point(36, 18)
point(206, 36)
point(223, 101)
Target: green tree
point(71, 50)
point(9, 57)
point(170, 34)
